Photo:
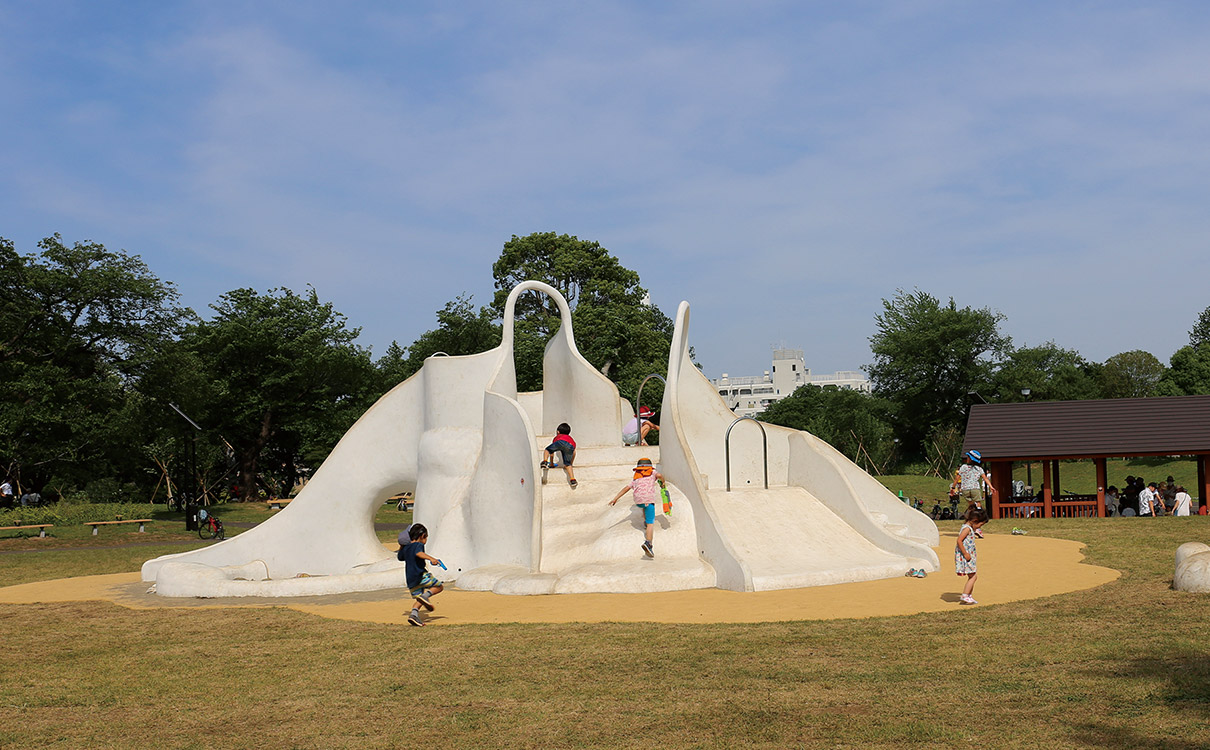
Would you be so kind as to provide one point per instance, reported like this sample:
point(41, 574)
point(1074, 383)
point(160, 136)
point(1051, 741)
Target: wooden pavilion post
point(1203, 481)
point(1047, 509)
point(1002, 481)
point(1102, 480)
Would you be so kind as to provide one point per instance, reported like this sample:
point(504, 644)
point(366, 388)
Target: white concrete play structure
point(460, 435)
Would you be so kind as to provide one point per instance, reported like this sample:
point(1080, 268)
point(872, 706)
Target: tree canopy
point(1133, 374)
point(281, 379)
point(1200, 333)
point(460, 330)
point(928, 357)
point(82, 326)
point(1048, 372)
point(855, 423)
point(617, 329)
point(1188, 373)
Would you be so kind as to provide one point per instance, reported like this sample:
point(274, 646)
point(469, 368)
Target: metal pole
point(727, 449)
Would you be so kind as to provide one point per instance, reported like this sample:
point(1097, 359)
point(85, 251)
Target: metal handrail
point(727, 449)
point(638, 397)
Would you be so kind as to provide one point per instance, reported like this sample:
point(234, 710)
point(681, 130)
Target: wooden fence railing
point(1073, 506)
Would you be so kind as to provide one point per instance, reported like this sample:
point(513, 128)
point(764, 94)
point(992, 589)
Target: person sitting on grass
point(421, 583)
point(565, 446)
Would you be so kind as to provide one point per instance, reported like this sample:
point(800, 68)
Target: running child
point(421, 583)
point(565, 446)
point(965, 557)
point(646, 493)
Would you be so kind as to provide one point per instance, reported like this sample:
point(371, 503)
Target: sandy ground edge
point(1011, 568)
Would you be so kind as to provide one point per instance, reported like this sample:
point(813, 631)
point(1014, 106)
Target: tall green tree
point(81, 329)
point(616, 327)
point(460, 330)
point(1200, 333)
point(855, 423)
point(928, 357)
point(282, 381)
point(1049, 372)
point(1188, 373)
point(1132, 374)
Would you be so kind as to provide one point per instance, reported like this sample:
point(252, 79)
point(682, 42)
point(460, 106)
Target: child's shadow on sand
point(661, 521)
point(952, 598)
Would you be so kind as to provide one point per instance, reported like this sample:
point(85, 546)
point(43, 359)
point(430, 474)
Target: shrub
point(72, 514)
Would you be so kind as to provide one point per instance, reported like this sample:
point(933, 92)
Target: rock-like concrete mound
point(1192, 568)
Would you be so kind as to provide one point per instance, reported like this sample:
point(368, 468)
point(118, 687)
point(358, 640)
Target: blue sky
point(783, 166)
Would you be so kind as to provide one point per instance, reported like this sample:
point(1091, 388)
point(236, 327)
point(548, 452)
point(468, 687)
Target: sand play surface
point(1011, 568)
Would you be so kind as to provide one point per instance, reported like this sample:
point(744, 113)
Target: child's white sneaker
point(966, 599)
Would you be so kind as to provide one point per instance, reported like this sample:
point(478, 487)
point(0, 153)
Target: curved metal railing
point(727, 448)
point(638, 397)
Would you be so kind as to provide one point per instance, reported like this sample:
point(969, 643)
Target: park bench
point(41, 527)
point(404, 500)
point(140, 521)
point(278, 503)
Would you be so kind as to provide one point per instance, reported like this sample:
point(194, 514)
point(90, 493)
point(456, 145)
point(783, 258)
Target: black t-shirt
point(413, 567)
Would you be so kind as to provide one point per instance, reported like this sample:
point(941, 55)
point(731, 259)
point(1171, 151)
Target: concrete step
point(606, 455)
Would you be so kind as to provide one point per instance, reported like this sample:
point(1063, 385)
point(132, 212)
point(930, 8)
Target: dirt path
point(1011, 568)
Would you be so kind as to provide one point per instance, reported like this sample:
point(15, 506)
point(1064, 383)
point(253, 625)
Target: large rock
point(1192, 568)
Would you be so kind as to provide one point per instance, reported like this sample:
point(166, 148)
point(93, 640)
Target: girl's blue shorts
point(648, 512)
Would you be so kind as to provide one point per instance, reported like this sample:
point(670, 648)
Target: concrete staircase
point(589, 545)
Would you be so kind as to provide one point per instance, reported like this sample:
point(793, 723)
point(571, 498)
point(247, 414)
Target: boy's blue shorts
point(648, 512)
point(426, 582)
point(563, 448)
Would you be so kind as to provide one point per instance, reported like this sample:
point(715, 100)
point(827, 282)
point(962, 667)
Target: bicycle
point(209, 527)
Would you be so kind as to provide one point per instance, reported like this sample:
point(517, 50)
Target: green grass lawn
point(72, 549)
point(1125, 665)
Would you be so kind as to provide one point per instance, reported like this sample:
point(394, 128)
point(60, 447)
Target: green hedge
point(63, 514)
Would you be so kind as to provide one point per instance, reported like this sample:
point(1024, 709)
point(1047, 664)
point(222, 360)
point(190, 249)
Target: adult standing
point(1149, 499)
point(1182, 504)
point(973, 480)
point(6, 492)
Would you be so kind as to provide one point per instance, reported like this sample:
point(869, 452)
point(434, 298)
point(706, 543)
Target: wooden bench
point(278, 503)
point(406, 498)
point(140, 521)
point(41, 527)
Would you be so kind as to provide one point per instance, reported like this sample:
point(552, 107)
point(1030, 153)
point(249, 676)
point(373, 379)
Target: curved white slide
point(460, 436)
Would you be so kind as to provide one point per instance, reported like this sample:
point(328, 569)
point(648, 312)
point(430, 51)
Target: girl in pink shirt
point(646, 493)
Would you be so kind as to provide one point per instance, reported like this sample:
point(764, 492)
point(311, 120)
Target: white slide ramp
point(788, 539)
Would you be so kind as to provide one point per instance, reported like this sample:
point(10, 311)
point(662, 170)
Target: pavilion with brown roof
point(1048, 431)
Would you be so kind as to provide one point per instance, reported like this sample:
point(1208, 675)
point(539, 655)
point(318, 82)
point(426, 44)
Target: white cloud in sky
point(782, 167)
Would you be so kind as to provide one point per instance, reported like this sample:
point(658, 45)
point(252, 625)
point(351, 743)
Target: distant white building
point(749, 395)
